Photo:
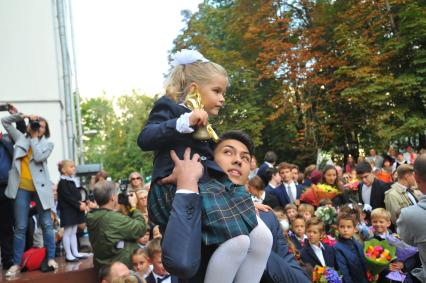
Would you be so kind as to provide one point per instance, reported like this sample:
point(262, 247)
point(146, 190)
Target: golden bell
point(193, 101)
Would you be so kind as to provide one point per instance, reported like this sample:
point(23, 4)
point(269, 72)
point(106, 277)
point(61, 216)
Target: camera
point(4, 107)
point(123, 196)
point(35, 125)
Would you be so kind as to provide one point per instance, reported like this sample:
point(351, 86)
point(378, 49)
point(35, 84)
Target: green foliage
point(336, 75)
point(118, 127)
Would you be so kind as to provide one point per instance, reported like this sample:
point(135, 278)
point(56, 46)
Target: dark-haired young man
point(371, 190)
point(184, 227)
point(269, 162)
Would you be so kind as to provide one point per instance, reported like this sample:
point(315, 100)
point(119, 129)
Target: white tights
point(69, 241)
point(242, 258)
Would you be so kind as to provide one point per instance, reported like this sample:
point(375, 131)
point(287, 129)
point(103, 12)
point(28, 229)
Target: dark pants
point(6, 229)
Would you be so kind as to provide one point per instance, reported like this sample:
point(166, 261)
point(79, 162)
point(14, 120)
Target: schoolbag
point(33, 258)
point(6, 158)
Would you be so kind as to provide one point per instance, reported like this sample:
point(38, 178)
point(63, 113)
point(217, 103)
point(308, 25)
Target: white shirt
point(168, 280)
point(291, 189)
point(258, 199)
point(411, 197)
point(182, 124)
point(272, 186)
point(300, 239)
point(318, 253)
point(366, 194)
point(270, 165)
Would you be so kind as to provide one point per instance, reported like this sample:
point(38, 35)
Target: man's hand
point(396, 266)
point(187, 172)
point(198, 117)
point(262, 207)
point(33, 134)
point(83, 206)
point(133, 200)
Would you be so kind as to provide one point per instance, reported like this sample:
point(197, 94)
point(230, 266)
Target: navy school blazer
point(281, 194)
point(297, 243)
point(160, 135)
point(350, 261)
point(308, 256)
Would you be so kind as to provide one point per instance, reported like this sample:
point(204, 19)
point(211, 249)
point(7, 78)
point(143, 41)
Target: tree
point(118, 128)
point(97, 119)
point(339, 75)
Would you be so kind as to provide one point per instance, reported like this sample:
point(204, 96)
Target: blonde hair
point(381, 213)
point(64, 163)
point(290, 206)
point(181, 76)
point(306, 207)
point(315, 221)
point(153, 247)
point(139, 251)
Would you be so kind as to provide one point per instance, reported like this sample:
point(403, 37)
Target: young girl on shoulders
point(172, 125)
point(71, 209)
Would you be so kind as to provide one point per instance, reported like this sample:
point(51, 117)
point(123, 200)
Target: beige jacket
point(395, 200)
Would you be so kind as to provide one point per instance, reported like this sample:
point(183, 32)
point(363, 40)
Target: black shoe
point(71, 260)
point(7, 265)
point(81, 257)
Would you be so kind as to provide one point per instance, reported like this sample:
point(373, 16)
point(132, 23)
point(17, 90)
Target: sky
point(122, 45)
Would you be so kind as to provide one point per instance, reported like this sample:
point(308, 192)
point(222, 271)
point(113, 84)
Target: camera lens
point(35, 125)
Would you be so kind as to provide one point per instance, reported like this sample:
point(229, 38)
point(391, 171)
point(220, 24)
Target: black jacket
point(161, 136)
point(378, 189)
point(69, 198)
point(271, 200)
point(309, 257)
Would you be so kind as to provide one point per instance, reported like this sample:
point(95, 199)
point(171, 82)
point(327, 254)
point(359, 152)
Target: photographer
point(6, 204)
point(112, 234)
point(29, 179)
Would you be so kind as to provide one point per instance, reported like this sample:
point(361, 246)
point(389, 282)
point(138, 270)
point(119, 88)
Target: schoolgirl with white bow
point(170, 126)
point(71, 209)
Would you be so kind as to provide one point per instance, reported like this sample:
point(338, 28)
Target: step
point(81, 272)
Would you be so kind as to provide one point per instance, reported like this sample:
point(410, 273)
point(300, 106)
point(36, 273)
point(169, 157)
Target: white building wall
point(31, 68)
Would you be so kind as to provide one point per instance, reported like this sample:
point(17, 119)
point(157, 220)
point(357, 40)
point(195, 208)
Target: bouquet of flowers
point(378, 255)
point(327, 214)
point(403, 252)
point(325, 275)
point(384, 176)
point(326, 191)
point(352, 185)
point(329, 241)
point(316, 193)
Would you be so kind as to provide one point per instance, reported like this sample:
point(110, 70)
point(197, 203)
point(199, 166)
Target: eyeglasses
point(135, 178)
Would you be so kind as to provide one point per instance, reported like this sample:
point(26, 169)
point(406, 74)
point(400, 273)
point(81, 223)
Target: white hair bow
point(187, 56)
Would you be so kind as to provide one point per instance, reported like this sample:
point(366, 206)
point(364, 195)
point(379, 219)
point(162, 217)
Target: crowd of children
point(329, 232)
point(340, 245)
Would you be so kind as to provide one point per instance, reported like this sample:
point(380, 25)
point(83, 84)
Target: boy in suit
point(270, 160)
point(349, 252)
point(315, 253)
point(158, 273)
point(371, 190)
point(381, 221)
point(297, 235)
point(289, 191)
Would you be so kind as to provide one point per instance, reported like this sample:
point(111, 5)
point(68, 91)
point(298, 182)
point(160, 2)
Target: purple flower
point(332, 276)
